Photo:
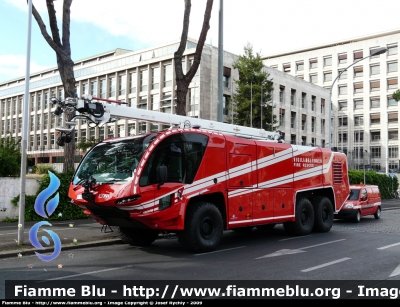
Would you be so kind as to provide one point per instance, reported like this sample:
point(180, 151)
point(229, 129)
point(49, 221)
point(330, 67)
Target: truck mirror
point(162, 173)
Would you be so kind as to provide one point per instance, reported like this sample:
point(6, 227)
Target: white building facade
point(146, 79)
point(365, 121)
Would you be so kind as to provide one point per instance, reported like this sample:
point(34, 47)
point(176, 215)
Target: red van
point(363, 200)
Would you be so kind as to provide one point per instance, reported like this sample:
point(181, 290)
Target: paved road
point(83, 233)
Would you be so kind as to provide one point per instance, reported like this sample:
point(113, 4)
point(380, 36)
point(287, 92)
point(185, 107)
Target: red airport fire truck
point(200, 177)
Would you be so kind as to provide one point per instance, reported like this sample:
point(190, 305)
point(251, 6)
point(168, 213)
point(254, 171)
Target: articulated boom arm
point(99, 111)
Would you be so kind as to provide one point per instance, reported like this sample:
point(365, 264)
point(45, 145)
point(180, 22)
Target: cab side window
point(363, 194)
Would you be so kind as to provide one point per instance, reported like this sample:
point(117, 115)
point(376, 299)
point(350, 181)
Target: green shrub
point(385, 183)
point(44, 169)
point(64, 211)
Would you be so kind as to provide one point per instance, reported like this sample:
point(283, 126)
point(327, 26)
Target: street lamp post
point(377, 51)
point(364, 165)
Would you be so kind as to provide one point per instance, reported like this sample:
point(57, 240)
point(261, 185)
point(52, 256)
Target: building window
point(103, 89)
point(293, 139)
point(142, 103)
point(375, 102)
point(314, 78)
point(358, 120)
point(111, 86)
point(374, 69)
point(132, 102)
point(322, 105)
point(293, 97)
point(155, 78)
point(393, 118)
point(327, 76)
point(358, 55)
point(300, 66)
point(304, 100)
point(358, 104)
point(323, 126)
point(343, 105)
point(328, 61)
point(281, 117)
point(313, 124)
point(226, 100)
point(358, 87)
point(342, 58)
point(391, 101)
point(303, 122)
point(342, 89)
point(343, 74)
point(392, 67)
point(33, 103)
point(286, 67)
point(226, 77)
point(313, 63)
point(392, 50)
point(359, 137)
point(167, 75)
point(313, 103)
point(358, 71)
point(155, 102)
point(375, 135)
point(375, 85)
point(144, 79)
point(392, 84)
point(132, 82)
point(293, 120)
point(85, 88)
point(282, 94)
point(342, 121)
point(122, 85)
point(93, 88)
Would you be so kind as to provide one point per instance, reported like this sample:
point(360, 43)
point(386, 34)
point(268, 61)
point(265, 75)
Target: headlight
point(348, 206)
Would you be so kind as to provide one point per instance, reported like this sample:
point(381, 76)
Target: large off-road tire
point(323, 214)
point(304, 223)
point(203, 228)
point(137, 236)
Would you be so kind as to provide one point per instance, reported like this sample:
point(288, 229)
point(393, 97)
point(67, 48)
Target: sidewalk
point(72, 234)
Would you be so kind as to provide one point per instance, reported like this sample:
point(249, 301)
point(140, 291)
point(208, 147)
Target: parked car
point(363, 200)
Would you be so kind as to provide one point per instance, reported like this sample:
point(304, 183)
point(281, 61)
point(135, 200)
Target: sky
point(271, 27)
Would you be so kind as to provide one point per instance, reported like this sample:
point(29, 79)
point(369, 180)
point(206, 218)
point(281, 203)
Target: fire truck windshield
point(113, 162)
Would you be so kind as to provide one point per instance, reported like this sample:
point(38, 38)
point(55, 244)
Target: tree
point(65, 64)
point(253, 92)
point(10, 156)
point(84, 143)
point(396, 95)
point(183, 80)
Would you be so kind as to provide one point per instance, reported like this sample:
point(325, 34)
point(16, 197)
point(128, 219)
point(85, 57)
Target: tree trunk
point(183, 80)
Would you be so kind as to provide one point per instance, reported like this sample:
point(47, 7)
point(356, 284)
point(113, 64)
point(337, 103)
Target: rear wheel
point(377, 214)
point(203, 228)
point(304, 222)
point(323, 214)
point(137, 236)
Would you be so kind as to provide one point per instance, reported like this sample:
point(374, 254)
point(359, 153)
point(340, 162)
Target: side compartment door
point(240, 184)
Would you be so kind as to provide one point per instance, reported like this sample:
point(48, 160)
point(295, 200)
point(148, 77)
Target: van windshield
point(354, 193)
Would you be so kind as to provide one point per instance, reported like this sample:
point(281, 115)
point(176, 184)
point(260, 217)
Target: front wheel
point(304, 222)
point(203, 228)
point(357, 218)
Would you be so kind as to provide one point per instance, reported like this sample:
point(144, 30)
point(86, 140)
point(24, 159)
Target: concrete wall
point(10, 188)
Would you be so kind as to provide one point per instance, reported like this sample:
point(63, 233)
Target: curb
point(31, 251)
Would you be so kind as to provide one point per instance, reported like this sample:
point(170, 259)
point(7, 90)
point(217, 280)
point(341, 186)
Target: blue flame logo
point(41, 210)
